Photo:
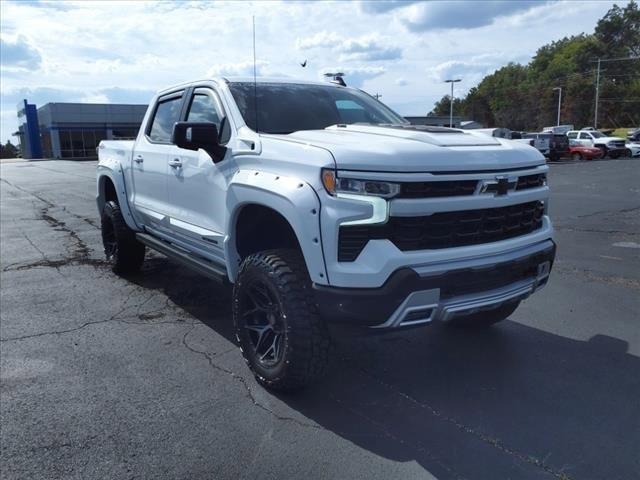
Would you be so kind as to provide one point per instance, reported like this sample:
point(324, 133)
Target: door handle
point(175, 163)
point(138, 159)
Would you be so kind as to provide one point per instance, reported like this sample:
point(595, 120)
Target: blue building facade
point(30, 130)
point(74, 130)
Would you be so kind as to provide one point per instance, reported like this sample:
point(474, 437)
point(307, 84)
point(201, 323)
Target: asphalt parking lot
point(103, 377)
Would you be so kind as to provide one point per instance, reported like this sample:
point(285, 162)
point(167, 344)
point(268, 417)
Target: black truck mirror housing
point(193, 136)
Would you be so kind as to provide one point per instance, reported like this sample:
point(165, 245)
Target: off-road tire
point(485, 318)
point(304, 344)
point(124, 253)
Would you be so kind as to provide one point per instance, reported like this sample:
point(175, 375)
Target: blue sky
point(121, 51)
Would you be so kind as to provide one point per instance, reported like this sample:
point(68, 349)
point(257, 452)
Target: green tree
point(522, 97)
point(8, 151)
point(442, 106)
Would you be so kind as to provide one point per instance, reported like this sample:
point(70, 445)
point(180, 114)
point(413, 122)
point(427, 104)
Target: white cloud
point(355, 76)
point(241, 69)
point(425, 16)
point(18, 53)
point(320, 39)
point(366, 48)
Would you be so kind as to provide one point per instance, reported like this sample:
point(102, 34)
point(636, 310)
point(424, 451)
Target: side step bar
point(200, 265)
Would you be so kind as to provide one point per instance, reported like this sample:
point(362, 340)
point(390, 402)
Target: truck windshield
point(287, 107)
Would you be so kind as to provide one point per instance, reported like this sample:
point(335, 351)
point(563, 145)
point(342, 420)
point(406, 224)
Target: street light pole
point(595, 114)
point(559, 102)
point(451, 107)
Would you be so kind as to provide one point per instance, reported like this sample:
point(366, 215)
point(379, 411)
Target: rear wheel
point(282, 337)
point(576, 157)
point(485, 318)
point(123, 251)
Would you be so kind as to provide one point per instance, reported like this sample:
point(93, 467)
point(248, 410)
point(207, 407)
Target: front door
point(150, 162)
point(196, 185)
point(585, 139)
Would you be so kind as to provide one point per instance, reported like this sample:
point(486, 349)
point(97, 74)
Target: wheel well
point(109, 190)
point(262, 228)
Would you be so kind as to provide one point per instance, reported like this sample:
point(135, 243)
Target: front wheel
point(281, 335)
point(123, 251)
point(485, 318)
point(604, 151)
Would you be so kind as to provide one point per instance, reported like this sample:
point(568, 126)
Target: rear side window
point(572, 135)
point(166, 115)
point(585, 136)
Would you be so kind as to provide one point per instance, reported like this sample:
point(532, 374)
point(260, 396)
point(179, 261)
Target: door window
point(166, 115)
point(206, 108)
point(572, 135)
point(584, 136)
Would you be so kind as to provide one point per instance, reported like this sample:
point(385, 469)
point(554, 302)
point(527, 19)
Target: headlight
point(335, 185)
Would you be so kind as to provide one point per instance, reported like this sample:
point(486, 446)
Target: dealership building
point(74, 130)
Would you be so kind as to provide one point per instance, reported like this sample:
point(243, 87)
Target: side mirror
point(193, 136)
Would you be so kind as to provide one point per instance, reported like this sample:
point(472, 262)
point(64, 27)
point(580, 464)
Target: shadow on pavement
point(508, 402)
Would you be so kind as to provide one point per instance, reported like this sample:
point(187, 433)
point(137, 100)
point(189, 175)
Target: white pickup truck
point(322, 206)
point(612, 146)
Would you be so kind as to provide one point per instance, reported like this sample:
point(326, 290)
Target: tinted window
point(285, 108)
point(205, 109)
point(572, 135)
point(167, 114)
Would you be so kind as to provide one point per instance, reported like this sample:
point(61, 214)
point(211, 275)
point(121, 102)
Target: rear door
point(196, 185)
point(150, 160)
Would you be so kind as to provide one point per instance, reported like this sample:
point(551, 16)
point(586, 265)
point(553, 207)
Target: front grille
point(617, 143)
point(531, 181)
point(444, 230)
point(447, 188)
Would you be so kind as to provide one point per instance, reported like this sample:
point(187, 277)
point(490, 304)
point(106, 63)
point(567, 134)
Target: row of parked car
point(586, 144)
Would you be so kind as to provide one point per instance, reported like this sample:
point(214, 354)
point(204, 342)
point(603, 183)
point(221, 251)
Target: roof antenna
point(255, 82)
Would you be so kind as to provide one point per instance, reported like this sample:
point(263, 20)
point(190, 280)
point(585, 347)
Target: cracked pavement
point(103, 377)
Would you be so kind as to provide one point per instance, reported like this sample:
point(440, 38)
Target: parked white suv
point(612, 146)
point(321, 205)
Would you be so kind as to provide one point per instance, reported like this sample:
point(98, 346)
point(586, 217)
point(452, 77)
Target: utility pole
point(595, 115)
point(451, 98)
point(559, 103)
point(598, 61)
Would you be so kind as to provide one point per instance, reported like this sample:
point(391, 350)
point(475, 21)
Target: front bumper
point(413, 296)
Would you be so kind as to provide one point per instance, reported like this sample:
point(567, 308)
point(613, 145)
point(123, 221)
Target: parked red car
point(579, 152)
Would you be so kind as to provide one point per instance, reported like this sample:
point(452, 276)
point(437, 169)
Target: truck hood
point(609, 139)
point(416, 149)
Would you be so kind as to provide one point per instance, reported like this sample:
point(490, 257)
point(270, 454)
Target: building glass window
point(77, 143)
point(66, 151)
point(45, 139)
point(124, 134)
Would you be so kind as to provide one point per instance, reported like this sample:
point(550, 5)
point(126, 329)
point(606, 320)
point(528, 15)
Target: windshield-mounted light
point(336, 185)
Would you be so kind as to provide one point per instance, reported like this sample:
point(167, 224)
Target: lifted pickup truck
point(321, 205)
